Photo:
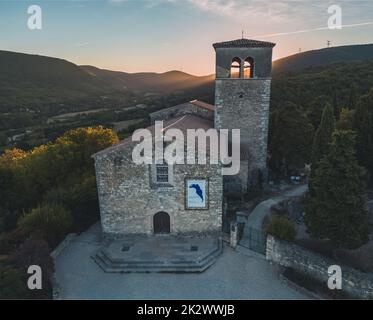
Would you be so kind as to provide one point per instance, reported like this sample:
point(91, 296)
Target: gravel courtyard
point(234, 276)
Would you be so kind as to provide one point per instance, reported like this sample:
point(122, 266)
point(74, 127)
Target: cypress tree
point(363, 125)
point(323, 135)
point(335, 208)
point(336, 107)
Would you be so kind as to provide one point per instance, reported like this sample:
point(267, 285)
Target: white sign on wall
point(196, 193)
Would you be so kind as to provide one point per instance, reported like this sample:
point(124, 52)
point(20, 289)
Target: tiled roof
point(186, 122)
point(244, 43)
point(196, 103)
point(183, 123)
point(203, 105)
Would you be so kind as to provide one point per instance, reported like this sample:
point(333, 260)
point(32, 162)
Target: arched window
point(248, 68)
point(236, 68)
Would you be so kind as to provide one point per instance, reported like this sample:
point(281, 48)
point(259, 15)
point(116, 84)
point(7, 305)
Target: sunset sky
point(163, 35)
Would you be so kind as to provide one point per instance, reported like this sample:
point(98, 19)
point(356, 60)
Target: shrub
point(52, 221)
point(282, 228)
point(33, 252)
point(9, 241)
point(12, 283)
point(80, 198)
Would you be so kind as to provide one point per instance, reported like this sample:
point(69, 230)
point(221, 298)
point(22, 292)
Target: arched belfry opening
point(248, 68)
point(235, 71)
point(161, 223)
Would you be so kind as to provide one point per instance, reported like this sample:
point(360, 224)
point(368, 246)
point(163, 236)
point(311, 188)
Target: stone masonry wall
point(355, 283)
point(128, 199)
point(244, 104)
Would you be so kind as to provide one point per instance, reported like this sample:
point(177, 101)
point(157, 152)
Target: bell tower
point(242, 99)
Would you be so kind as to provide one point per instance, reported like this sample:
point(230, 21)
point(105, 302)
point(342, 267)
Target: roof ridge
point(244, 43)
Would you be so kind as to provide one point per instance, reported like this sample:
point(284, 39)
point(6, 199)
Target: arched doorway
point(161, 223)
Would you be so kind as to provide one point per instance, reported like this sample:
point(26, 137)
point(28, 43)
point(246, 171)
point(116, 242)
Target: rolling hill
point(322, 57)
point(22, 69)
point(27, 79)
point(33, 79)
point(148, 81)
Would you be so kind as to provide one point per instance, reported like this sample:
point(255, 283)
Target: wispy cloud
point(275, 11)
point(146, 3)
point(237, 9)
point(244, 9)
point(354, 25)
point(281, 10)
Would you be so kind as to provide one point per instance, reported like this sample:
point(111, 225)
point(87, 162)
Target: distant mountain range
point(148, 81)
point(25, 77)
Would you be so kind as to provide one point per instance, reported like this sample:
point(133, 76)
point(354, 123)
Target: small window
point(161, 173)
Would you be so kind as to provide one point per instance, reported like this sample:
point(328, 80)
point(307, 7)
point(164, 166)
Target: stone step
point(145, 269)
point(155, 269)
point(178, 264)
point(112, 260)
point(108, 265)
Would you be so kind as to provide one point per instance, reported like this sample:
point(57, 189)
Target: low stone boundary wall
point(355, 283)
point(63, 244)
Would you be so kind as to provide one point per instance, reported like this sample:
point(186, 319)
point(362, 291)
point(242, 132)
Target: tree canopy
point(335, 208)
point(290, 137)
point(363, 125)
point(46, 193)
point(323, 134)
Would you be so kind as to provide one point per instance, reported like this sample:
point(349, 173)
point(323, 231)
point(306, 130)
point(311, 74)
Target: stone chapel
point(185, 199)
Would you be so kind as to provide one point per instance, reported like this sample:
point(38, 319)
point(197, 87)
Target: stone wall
point(355, 283)
point(262, 58)
point(244, 104)
point(180, 110)
point(128, 199)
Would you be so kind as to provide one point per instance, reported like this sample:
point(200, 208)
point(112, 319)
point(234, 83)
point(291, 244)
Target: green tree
point(282, 228)
point(12, 188)
point(290, 137)
point(363, 125)
point(3, 139)
point(323, 135)
point(52, 221)
point(353, 97)
point(26, 176)
point(35, 251)
point(80, 198)
point(335, 208)
point(336, 106)
point(12, 283)
point(315, 108)
point(346, 119)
